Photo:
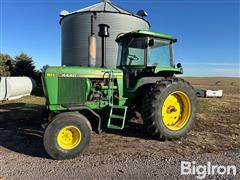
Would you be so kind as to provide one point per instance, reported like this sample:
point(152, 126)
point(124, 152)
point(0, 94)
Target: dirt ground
point(217, 133)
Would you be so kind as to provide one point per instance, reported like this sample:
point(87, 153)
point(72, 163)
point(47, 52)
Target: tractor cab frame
point(145, 56)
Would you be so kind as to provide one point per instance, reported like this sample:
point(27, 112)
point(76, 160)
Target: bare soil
point(216, 136)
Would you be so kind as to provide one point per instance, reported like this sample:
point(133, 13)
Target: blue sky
point(208, 31)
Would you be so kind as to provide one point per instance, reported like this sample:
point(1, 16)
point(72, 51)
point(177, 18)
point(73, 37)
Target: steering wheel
point(132, 57)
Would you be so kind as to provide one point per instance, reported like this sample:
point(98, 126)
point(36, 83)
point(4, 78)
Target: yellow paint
point(69, 137)
point(82, 76)
point(176, 110)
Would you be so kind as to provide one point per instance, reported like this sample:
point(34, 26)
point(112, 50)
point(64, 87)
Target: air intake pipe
point(103, 33)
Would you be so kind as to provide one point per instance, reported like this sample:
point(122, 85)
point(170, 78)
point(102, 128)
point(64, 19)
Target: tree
point(24, 66)
point(5, 57)
point(6, 64)
point(3, 69)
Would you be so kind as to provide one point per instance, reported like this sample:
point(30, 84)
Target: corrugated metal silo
point(76, 27)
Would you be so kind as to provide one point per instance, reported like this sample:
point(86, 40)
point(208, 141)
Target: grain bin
point(76, 28)
point(15, 87)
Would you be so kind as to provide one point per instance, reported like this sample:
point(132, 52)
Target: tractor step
point(117, 117)
point(114, 127)
point(118, 107)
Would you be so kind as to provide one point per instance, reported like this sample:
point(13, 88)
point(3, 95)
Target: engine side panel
point(71, 90)
point(87, 86)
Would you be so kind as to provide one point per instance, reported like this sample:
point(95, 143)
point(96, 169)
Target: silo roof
point(105, 6)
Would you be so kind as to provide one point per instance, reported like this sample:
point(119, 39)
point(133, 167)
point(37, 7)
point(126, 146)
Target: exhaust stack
point(103, 33)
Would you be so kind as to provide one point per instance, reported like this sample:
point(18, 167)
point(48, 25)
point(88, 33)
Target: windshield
point(133, 53)
point(160, 54)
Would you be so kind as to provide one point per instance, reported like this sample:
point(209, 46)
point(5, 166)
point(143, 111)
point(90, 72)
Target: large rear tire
point(67, 135)
point(169, 109)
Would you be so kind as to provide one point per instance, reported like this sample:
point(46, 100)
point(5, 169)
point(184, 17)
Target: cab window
point(134, 52)
point(160, 54)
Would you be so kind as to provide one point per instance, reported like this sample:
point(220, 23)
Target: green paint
point(169, 69)
point(154, 34)
point(146, 33)
point(104, 87)
point(81, 72)
point(88, 88)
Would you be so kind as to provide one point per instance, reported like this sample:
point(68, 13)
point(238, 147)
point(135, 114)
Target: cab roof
point(141, 33)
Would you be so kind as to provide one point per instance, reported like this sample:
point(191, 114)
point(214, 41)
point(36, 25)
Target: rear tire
point(67, 135)
point(169, 109)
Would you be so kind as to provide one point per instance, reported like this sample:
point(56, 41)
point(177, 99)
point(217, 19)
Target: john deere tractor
point(143, 80)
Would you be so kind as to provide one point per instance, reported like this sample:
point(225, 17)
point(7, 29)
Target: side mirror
point(179, 65)
point(151, 43)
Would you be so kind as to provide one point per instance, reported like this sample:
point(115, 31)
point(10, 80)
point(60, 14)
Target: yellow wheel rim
point(176, 110)
point(69, 137)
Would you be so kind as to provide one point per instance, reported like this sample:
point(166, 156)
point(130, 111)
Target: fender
point(145, 80)
point(77, 107)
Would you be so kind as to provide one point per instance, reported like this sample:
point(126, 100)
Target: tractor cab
point(145, 54)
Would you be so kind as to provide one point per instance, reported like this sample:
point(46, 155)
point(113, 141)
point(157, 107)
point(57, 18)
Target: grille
point(71, 90)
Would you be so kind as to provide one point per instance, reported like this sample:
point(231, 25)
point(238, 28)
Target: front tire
point(67, 135)
point(169, 109)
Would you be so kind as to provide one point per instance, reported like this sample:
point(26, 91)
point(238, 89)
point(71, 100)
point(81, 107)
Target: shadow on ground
point(20, 128)
point(133, 128)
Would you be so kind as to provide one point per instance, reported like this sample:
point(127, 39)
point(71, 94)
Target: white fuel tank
point(16, 87)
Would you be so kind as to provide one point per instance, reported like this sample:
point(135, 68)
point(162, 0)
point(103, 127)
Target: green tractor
point(143, 80)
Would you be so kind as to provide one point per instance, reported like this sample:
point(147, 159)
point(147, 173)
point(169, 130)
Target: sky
point(208, 31)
